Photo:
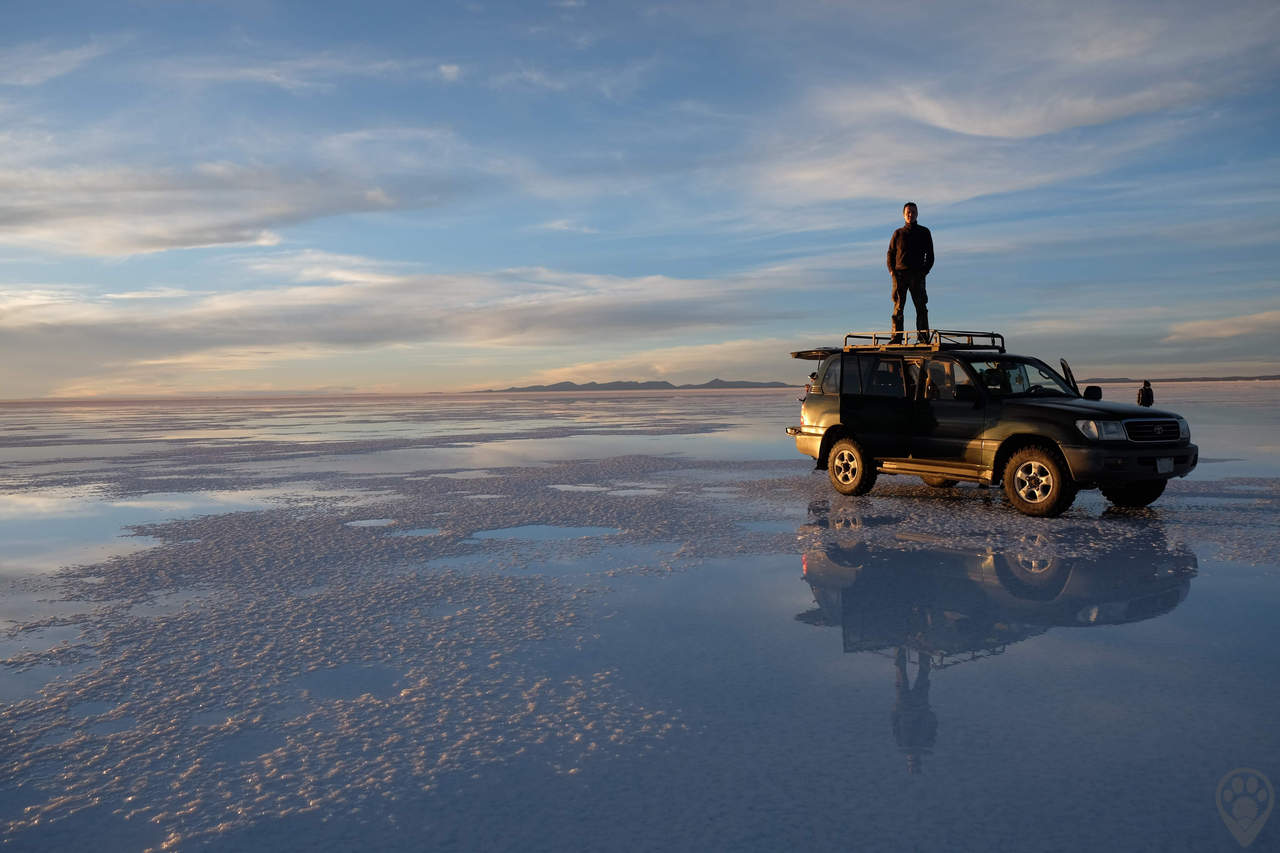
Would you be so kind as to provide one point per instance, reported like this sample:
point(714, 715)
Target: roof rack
point(928, 340)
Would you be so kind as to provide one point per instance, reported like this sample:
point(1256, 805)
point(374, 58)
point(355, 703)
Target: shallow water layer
point(677, 638)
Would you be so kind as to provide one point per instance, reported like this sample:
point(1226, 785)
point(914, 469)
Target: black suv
point(957, 407)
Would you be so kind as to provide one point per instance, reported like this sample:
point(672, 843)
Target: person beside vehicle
point(910, 257)
point(1146, 396)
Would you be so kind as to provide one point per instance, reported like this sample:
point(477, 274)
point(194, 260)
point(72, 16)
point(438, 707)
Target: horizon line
point(270, 396)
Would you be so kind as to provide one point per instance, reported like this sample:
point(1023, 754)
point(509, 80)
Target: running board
point(955, 471)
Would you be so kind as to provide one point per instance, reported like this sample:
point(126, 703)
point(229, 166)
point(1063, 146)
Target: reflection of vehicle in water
point(939, 604)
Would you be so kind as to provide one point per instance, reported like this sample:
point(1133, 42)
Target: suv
point(957, 407)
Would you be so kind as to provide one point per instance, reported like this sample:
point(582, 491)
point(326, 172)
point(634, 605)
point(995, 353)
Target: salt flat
point(548, 622)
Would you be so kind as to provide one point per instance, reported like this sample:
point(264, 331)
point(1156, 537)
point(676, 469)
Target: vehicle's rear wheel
point(851, 471)
point(1037, 483)
point(1137, 494)
point(938, 482)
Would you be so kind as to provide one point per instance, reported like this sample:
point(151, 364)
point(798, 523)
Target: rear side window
point(831, 378)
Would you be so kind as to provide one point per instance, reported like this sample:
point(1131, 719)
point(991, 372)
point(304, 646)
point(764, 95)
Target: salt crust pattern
point(318, 667)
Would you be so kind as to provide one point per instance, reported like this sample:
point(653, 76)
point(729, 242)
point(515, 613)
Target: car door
point(952, 414)
point(875, 405)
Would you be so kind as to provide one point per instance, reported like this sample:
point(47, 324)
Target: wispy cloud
point(741, 358)
point(117, 211)
point(303, 73)
point(613, 83)
point(854, 162)
point(324, 302)
point(565, 225)
point(152, 293)
point(39, 62)
point(1264, 325)
point(1037, 110)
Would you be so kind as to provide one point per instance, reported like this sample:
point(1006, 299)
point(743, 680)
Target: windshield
point(1019, 377)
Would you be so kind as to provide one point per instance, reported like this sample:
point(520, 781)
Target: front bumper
point(808, 443)
point(1102, 464)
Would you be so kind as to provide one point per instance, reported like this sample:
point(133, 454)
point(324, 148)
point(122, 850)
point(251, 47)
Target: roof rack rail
point(930, 340)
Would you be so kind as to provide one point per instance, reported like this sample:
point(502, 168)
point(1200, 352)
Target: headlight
point(1102, 430)
point(1184, 429)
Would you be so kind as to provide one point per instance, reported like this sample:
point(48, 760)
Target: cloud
point(151, 293)
point(1035, 111)
point(321, 304)
point(1264, 325)
point(303, 74)
point(612, 83)
point(565, 225)
point(871, 162)
point(118, 211)
point(1047, 94)
point(39, 62)
point(766, 358)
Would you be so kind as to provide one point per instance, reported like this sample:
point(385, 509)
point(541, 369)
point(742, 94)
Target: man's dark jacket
point(911, 248)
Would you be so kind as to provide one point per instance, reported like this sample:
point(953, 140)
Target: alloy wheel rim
point(1033, 481)
point(846, 466)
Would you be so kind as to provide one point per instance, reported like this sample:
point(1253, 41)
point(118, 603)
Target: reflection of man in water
point(915, 726)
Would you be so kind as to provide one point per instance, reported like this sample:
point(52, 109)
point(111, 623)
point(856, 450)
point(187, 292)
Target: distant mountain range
point(1111, 380)
point(631, 385)
point(662, 385)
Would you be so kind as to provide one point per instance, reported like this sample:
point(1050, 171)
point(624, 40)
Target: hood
point(1082, 408)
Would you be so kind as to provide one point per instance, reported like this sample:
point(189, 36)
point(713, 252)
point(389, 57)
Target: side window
point(940, 380)
point(995, 377)
point(882, 377)
point(942, 377)
point(831, 379)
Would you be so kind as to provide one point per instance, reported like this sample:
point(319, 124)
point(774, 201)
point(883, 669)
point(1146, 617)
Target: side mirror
point(967, 393)
point(1093, 392)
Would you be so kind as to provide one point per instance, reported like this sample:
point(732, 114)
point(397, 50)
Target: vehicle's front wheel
point(1137, 494)
point(938, 482)
point(1037, 483)
point(851, 471)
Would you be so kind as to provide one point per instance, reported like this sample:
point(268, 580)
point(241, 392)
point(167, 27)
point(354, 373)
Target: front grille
point(1161, 430)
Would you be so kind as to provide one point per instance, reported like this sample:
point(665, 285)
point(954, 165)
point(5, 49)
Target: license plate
point(1164, 465)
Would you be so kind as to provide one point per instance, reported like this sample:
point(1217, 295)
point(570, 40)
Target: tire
point(938, 482)
point(1032, 579)
point(1037, 482)
point(850, 470)
point(1137, 494)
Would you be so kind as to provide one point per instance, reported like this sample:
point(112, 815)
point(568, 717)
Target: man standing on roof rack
point(910, 258)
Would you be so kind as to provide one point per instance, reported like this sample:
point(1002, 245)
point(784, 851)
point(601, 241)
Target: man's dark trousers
point(904, 282)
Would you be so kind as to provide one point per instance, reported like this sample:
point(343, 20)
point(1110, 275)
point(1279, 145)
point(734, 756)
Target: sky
point(252, 196)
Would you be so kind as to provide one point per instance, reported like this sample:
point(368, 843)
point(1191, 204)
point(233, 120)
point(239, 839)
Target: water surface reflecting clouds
point(431, 624)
